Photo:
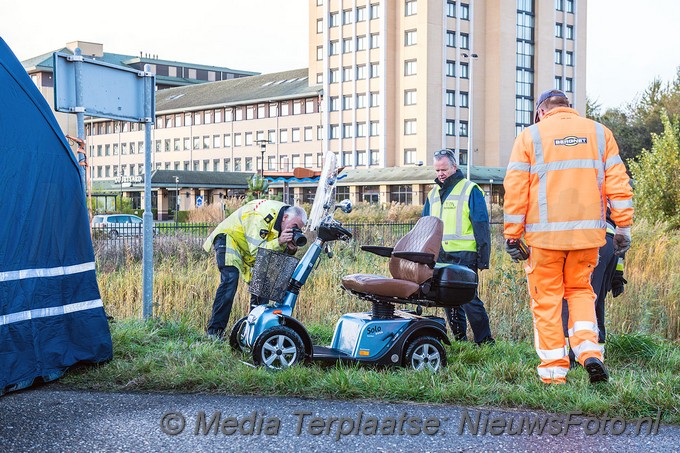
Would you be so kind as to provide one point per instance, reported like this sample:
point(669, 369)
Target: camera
point(299, 238)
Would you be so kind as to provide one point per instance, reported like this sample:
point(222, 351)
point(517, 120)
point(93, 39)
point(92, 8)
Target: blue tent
point(51, 312)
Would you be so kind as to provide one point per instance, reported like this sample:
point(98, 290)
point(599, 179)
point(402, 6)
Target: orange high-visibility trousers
point(553, 275)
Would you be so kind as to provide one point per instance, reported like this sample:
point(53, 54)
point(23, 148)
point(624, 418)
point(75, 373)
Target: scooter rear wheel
point(425, 353)
point(278, 348)
point(235, 334)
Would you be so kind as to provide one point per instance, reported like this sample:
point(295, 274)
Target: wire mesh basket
point(271, 274)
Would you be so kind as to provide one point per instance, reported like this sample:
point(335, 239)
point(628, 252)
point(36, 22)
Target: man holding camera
point(260, 223)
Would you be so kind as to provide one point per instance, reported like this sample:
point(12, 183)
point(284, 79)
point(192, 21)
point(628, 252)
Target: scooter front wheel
point(235, 334)
point(425, 353)
point(278, 348)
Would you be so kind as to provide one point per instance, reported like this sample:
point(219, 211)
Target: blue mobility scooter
point(385, 335)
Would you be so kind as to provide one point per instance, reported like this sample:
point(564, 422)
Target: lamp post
point(490, 201)
point(263, 147)
point(471, 103)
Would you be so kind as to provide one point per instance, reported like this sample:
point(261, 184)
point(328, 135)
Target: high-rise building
point(403, 78)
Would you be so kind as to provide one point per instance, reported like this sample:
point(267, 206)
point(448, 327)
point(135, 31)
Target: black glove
point(618, 283)
point(517, 249)
point(621, 240)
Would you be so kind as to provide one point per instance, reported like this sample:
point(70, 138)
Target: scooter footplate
point(325, 353)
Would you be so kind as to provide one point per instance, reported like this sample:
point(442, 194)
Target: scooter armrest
point(416, 257)
point(378, 250)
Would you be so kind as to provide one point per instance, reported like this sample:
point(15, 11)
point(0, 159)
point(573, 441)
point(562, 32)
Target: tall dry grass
point(185, 279)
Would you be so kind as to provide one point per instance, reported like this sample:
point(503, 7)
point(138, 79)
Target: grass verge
point(173, 356)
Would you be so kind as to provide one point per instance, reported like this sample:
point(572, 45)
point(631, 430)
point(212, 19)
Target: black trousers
point(473, 311)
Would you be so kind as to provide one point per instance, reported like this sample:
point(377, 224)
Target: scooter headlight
point(251, 318)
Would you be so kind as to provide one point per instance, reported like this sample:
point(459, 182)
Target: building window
point(271, 163)
point(401, 193)
point(464, 99)
point(361, 72)
point(237, 164)
point(227, 140)
point(450, 98)
point(347, 102)
point(333, 22)
point(411, 8)
point(450, 128)
point(375, 40)
point(295, 134)
point(238, 114)
point(283, 136)
point(225, 166)
point(361, 129)
point(570, 6)
point(558, 83)
point(373, 157)
point(463, 131)
point(333, 76)
point(271, 136)
point(346, 74)
point(464, 41)
point(361, 13)
point(308, 134)
point(333, 48)
point(410, 127)
point(361, 100)
point(319, 53)
point(347, 130)
point(559, 5)
point(558, 30)
point(297, 107)
point(347, 17)
point(570, 58)
point(334, 103)
point(409, 156)
point(176, 144)
point(238, 140)
point(450, 9)
point(375, 11)
point(410, 38)
point(450, 68)
point(464, 70)
point(375, 70)
point(319, 25)
point(558, 57)
point(464, 11)
point(361, 161)
point(374, 128)
point(249, 164)
point(409, 97)
point(347, 45)
point(206, 142)
point(410, 67)
point(570, 32)
point(334, 131)
point(450, 38)
point(249, 139)
point(374, 100)
point(309, 106)
point(285, 108)
point(361, 43)
point(569, 84)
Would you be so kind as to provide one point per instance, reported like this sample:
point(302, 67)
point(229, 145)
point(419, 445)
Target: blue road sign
point(199, 201)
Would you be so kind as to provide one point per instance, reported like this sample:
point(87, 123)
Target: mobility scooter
point(384, 336)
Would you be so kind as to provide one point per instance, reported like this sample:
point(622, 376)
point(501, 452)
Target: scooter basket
point(271, 274)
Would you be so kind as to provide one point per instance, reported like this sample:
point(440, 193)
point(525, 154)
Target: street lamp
point(263, 147)
point(122, 174)
point(490, 201)
point(471, 103)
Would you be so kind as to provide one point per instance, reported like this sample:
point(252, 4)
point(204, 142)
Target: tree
point(655, 172)
point(257, 187)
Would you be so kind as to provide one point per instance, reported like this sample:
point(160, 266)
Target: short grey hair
point(446, 154)
point(295, 212)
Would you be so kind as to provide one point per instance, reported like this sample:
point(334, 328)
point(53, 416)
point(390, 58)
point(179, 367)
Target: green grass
point(176, 357)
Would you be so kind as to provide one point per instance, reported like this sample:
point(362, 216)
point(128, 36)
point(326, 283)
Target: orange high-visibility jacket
point(561, 173)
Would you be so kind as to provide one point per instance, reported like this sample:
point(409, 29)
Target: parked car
point(116, 225)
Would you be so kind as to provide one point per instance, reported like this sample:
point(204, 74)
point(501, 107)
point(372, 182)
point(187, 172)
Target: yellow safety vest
point(455, 213)
point(248, 228)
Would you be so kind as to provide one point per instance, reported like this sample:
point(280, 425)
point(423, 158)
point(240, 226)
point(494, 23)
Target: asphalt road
point(50, 419)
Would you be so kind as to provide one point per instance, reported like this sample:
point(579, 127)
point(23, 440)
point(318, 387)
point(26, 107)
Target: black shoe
point(215, 334)
point(488, 340)
point(596, 370)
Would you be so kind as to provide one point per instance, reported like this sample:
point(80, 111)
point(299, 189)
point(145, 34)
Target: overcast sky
point(629, 42)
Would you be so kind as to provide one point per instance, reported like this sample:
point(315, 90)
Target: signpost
point(199, 201)
point(90, 87)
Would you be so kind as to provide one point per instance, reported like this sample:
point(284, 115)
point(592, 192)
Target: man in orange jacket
point(562, 172)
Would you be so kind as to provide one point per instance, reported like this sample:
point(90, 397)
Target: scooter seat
point(380, 286)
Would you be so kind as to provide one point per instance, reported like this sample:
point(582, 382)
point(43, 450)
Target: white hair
point(296, 212)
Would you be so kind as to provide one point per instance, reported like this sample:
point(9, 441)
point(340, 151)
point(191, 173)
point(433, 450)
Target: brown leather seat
point(425, 237)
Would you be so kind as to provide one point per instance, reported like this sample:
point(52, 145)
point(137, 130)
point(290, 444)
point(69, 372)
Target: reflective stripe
point(50, 311)
point(254, 241)
point(463, 200)
point(587, 346)
point(455, 237)
point(619, 264)
point(553, 372)
point(565, 226)
point(46, 272)
point(610, 228)
point(542, 180)
point(583, 325)
point(621, 204)
point(519, 166)
point(510, 218)
point(565, 165)
point(599, 136)
point(612, 161)
point(552, 354)
point(231, 251)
